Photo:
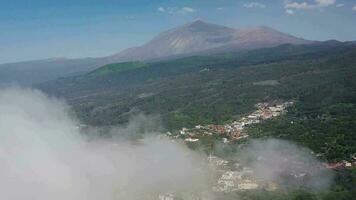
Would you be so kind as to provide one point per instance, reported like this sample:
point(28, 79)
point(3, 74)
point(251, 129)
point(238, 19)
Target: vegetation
point(324, 117)
point(320, 79)
point(117, 68)
point(219, 88)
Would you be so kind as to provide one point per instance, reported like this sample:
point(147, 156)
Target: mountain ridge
point(201, 36)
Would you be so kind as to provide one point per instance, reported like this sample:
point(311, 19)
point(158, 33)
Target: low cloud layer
point(43, 155)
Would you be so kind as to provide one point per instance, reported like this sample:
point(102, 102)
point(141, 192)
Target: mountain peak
point(199, 36)
point(198, 22)
point(200, 26)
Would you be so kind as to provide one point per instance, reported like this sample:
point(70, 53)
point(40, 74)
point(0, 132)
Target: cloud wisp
point(289, 12)
point(254, 5)
point(290, 5)
point(176, 10)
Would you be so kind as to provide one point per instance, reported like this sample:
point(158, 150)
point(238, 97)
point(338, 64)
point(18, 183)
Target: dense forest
point(215, 89)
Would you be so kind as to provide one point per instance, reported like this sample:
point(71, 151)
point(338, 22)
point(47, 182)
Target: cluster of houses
point(236, 177)
point(342, 165)
point(232, 176)
point(235, 130)
point(179, 196)
point(166, 196)
point(230, 181)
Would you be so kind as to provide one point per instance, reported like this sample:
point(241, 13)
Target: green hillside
point(117, 68)
point(215, 89)
point(121, 75)
point(218, 88)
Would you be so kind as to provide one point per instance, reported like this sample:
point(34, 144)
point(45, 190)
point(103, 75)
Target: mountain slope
point(116, 68)
point(132, 73)
point(216, 89)
point(197, 38)
point(39, 71)
point(201, 36)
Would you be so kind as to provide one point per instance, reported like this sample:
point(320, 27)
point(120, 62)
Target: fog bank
point(286, 163)
point(44, 156)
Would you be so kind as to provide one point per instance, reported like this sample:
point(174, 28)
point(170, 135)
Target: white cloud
point(176, 10)
point(254, 5)
point(43, 155)
point(296, 5)
point(324, 3)
point(289, 12)
point(188, 9)
point(340, 5)
point(161, 9)
point(354, 8)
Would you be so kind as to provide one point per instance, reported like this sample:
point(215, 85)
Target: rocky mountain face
point(200, 36)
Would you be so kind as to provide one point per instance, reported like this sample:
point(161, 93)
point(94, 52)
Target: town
point(231, 175)
point(235, 130)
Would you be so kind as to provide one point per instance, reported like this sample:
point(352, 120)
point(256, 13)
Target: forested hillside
point(216, 89)
point(320, 79)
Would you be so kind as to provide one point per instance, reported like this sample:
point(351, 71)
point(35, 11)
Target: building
point(247, 185)
point(191, 140)
point(166, 196)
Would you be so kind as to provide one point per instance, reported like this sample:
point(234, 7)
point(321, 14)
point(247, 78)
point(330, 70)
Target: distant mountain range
point(194, 38)
point(34, 72)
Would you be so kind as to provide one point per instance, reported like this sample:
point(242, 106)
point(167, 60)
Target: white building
point(167, 196)
point(247, 185)
point(191, 140)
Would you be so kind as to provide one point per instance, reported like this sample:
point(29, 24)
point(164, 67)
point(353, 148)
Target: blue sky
point(37, 29)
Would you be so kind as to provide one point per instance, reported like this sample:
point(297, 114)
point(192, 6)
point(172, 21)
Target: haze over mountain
point(38, 71)
point(200, 36)
point(194, 38)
